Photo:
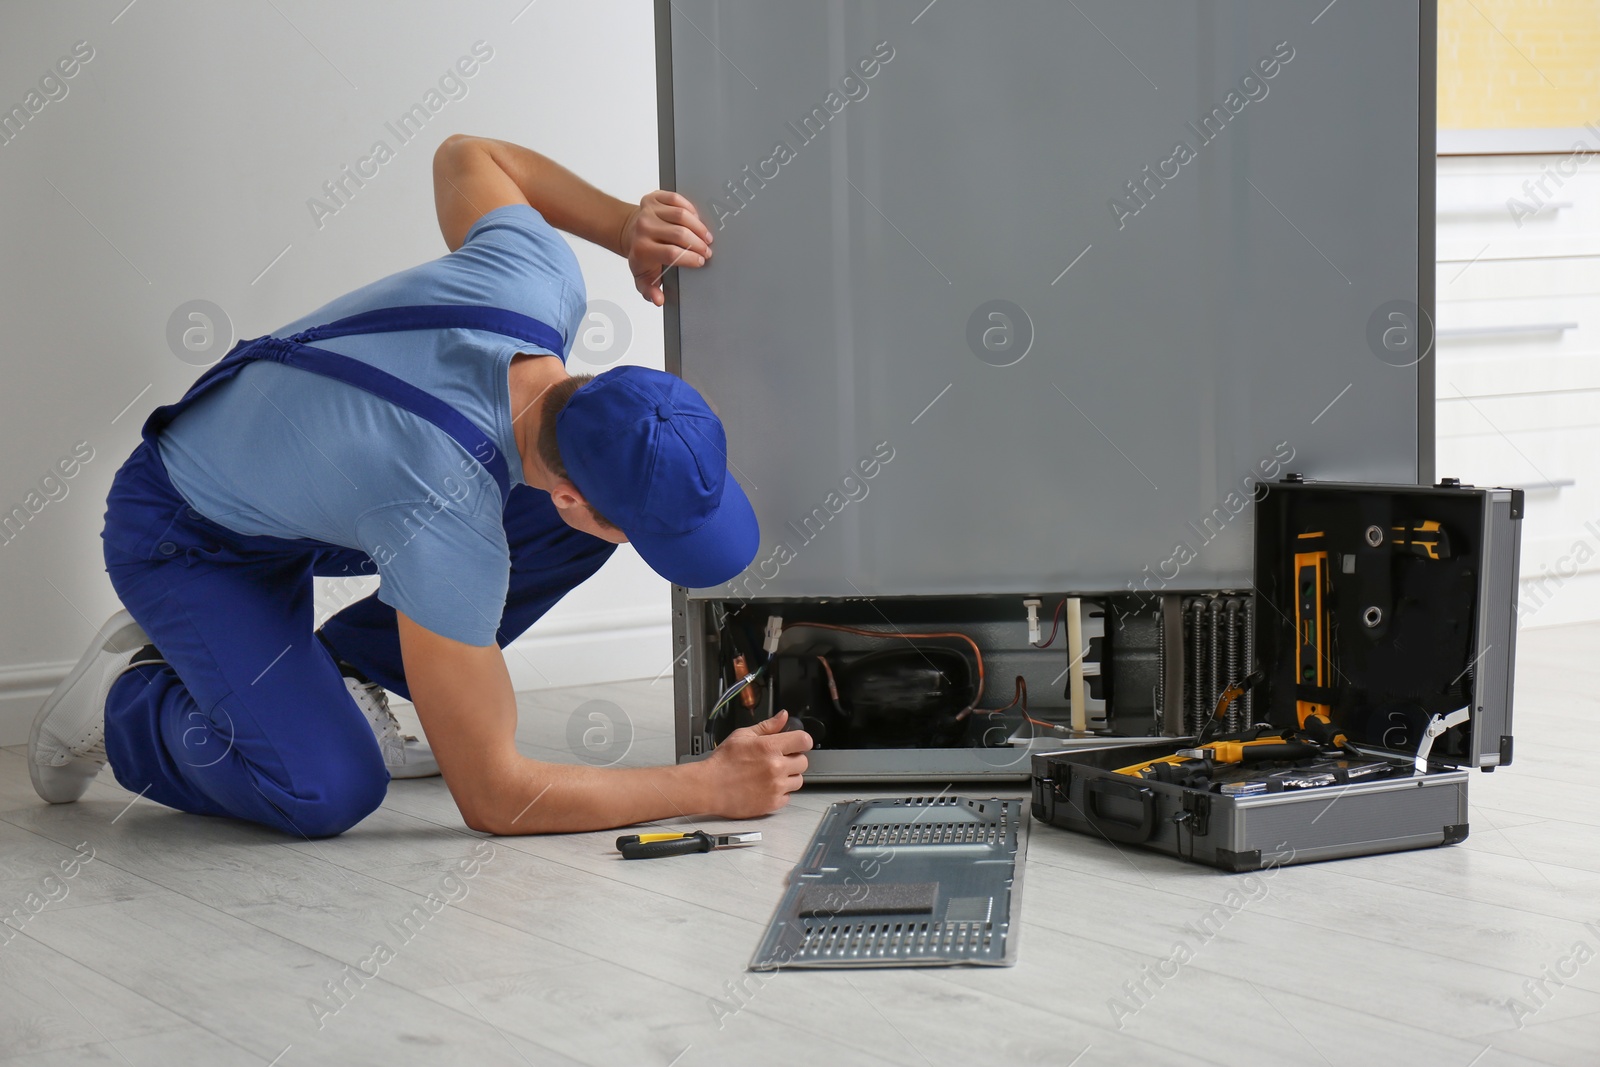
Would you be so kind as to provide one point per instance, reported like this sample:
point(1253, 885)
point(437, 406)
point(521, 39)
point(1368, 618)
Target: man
point(423, 428)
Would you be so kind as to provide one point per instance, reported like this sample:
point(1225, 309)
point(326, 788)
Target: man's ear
point(564, 494)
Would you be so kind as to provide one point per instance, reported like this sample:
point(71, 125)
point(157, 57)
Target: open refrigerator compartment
point(1000, 676)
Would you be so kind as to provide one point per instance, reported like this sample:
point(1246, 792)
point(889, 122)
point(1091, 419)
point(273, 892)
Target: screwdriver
point(1249, 751)
point(653, 846)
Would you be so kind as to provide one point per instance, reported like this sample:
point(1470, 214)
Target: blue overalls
point(249, 715)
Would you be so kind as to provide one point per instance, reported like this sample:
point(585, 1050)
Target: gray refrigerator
point(1016, 310)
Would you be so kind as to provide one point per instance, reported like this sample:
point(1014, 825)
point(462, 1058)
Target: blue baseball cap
point(643, 448)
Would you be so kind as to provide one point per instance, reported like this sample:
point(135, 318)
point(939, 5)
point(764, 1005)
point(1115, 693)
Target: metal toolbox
point(1388, 610)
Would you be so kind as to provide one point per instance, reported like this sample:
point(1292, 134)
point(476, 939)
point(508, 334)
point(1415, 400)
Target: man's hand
point(475, 175)
point(464, 698)
point(755, 769)
point(663, 231)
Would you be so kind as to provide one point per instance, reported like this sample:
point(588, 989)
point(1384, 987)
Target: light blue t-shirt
point(283, 452)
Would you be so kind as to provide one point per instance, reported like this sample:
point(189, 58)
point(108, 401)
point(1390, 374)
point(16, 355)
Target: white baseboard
point(587, 649)
point(593, 648)
point(22, 689)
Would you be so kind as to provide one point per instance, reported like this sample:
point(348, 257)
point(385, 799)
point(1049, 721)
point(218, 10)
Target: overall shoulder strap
point(441, 317)
point(296, 352)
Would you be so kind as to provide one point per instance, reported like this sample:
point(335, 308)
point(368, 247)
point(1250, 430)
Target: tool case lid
point(1417, 604)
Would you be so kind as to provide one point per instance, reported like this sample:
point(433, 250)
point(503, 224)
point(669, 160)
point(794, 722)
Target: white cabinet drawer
point(1518, 326)
point(1539, 413)
point(1560, 336)
point(1504, 279)
point(1485, 201)
point(1502, 373)
point(1560, 475)
point(1526, 461)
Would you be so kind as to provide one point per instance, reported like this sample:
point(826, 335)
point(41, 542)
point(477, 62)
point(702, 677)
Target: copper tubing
point(1020, 697)
point(748, 696)
point(833, 687)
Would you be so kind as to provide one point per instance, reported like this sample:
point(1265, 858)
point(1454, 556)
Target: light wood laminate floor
point(188, 940)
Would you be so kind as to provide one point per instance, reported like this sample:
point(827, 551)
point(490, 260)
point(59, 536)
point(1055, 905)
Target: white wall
point(178, 166)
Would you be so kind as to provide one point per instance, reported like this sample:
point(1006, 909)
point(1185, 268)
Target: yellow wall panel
point(1506, 64)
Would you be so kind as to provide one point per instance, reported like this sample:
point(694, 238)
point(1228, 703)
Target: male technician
point(423, 428)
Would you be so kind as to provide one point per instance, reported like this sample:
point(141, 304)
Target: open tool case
point(1385, 619)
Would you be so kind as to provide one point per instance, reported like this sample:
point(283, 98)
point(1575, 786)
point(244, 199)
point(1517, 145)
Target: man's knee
point(348, 795)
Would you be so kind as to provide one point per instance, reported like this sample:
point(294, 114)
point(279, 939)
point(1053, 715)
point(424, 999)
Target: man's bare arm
point(464, 698)
point(474, 175)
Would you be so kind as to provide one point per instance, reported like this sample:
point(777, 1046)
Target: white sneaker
point(67, 745)
point(406, 755)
